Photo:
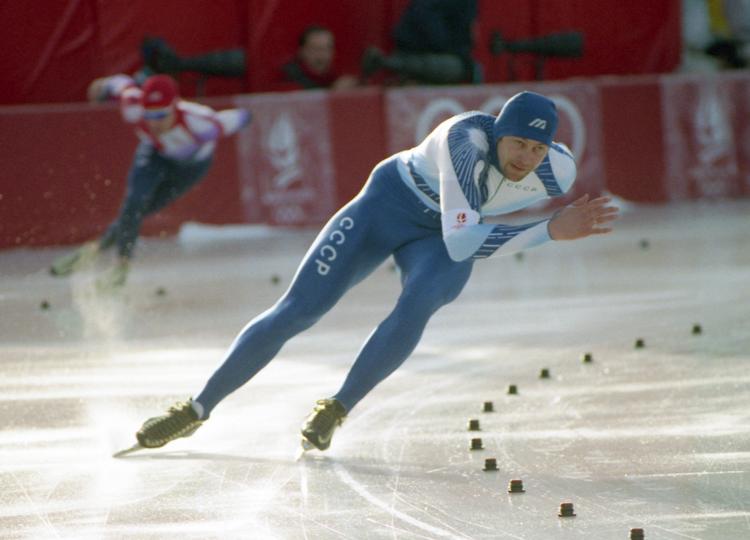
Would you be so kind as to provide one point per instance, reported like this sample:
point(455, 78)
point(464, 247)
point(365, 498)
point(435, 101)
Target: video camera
point(159, 57)
point(559, 45)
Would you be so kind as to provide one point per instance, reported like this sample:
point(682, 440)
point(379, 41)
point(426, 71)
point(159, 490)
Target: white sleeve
point(232, 120)
point(563, 166)
point(115, 85)
point(130, 105)
point(460, 160)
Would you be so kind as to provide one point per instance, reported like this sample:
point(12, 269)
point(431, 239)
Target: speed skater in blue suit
point(424, 206)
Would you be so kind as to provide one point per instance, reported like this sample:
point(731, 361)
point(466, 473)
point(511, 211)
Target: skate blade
point(304, 447)
point(128, 451)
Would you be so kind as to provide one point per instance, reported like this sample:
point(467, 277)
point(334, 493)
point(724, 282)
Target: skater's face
point(519, 156)
point(161, 124)
point(317, 51)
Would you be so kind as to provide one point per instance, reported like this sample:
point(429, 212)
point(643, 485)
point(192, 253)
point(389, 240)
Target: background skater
point(177, 142)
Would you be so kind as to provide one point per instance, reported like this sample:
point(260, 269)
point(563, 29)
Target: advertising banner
point(285, 164)
point(742, 129)
point(701, 143)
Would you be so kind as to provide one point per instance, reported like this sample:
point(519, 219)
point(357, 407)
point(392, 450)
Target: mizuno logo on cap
point(538, 123)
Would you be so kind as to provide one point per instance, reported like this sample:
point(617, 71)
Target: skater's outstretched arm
point(109, 88)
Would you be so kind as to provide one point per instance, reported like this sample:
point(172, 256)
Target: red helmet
point(159, 95)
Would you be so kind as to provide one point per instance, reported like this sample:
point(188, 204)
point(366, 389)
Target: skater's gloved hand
point(583, 218)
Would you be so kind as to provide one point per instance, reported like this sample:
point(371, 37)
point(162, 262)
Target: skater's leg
point(430, 280)
point(147, 172)
point(110, 236)
point(169, 181)
point(179, 178)
point(353, 243)
point(343, 253)
point(378, 222)
point(75, 260)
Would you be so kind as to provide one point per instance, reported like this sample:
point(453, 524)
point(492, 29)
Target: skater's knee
point(297, 314)
point(450, 293)
point(428, 299)
point(436, 289)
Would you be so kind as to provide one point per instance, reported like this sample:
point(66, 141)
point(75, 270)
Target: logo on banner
point(284, 152)
point(714, 142)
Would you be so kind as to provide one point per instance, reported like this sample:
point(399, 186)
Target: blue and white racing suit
point(425, 206)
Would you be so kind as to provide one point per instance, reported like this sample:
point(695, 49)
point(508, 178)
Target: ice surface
point(657, 438)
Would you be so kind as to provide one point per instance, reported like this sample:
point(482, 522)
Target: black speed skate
point(70, 262)
point(318, 428)
point(179, 421)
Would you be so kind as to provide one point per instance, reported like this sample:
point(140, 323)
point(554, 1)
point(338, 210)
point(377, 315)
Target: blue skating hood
point(527, 115)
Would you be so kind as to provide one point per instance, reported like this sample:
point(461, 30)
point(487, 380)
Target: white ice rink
point(656, 438)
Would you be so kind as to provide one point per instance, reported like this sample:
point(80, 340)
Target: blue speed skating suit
point(425, 207)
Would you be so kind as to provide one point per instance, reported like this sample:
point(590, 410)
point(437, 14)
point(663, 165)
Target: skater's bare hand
point(583, 218)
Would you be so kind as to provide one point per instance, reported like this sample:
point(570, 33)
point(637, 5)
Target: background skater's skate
point(76, 260)
point(318, 428)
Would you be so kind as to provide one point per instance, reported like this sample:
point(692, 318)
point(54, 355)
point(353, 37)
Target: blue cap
point(528, 115)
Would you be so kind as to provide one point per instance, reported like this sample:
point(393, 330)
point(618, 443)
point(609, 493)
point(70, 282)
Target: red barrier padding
point(646, 139)
point(677, 137)
point(64, 171)
point(620, 38)
point(633, 138)
point(51, 53)
point(359, 138)
point(286, 169)
point(705, 138)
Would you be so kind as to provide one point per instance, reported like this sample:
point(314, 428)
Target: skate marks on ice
point(400, 466)
point(396, 514)
point(657, 456)
point(402, 462)
point(315, 465)
point(564, 447)
point(654, 438)
point(414, 517)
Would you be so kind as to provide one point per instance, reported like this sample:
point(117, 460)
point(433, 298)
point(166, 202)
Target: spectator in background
point(312, 66)
point(177, 142)
point(434, 40)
